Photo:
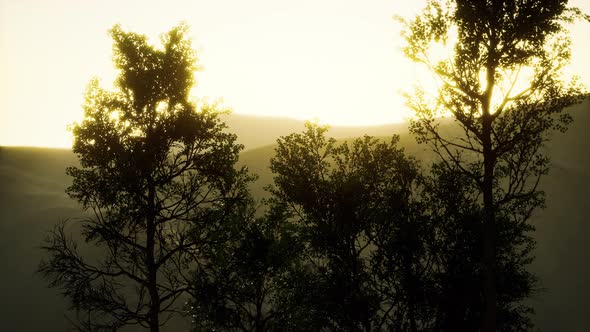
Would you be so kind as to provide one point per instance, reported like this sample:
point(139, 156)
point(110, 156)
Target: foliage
point(346, 200)
point(157, 175)
point(355, 237)
point(241, 287)
point(387, 248)
point(503, 88)
point(452, 203)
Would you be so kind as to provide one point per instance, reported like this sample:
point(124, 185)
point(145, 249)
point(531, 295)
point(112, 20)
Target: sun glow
point(337, 61)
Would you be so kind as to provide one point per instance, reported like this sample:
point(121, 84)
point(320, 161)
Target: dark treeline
point(356, 238)
point(355, 235)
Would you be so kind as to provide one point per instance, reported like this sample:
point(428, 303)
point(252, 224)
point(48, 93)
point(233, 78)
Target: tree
point(386, 247)
point(157, 176)
point(503, 88)
point(350, 201)
point(243, 282)
point(451, 201)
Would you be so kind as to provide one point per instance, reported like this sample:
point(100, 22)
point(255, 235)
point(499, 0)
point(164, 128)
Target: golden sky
point(337, 61)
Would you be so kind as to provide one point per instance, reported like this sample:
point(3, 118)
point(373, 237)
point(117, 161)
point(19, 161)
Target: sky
point(335, 61)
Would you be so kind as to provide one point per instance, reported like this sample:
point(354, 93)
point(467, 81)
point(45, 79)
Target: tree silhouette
point(503, 88)
point(247, 276)
point(452, 203)
point(157, 176)
point(348, 201)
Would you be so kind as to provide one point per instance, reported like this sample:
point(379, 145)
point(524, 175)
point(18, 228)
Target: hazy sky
point(338, 61)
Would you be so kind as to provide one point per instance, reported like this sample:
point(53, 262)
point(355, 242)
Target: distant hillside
point(255, 131)
point(32, 199)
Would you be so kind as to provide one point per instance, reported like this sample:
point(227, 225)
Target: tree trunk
point(489, 255)
point(489, 316)
point(411, 290)
point(259, 300)
point(412, 307)
point(154, 310)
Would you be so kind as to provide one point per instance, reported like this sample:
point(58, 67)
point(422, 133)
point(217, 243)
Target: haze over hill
point(256, 131)
point(32, 199)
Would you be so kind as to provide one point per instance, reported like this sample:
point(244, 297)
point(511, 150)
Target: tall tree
point(157, 176)
point(503, 88)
